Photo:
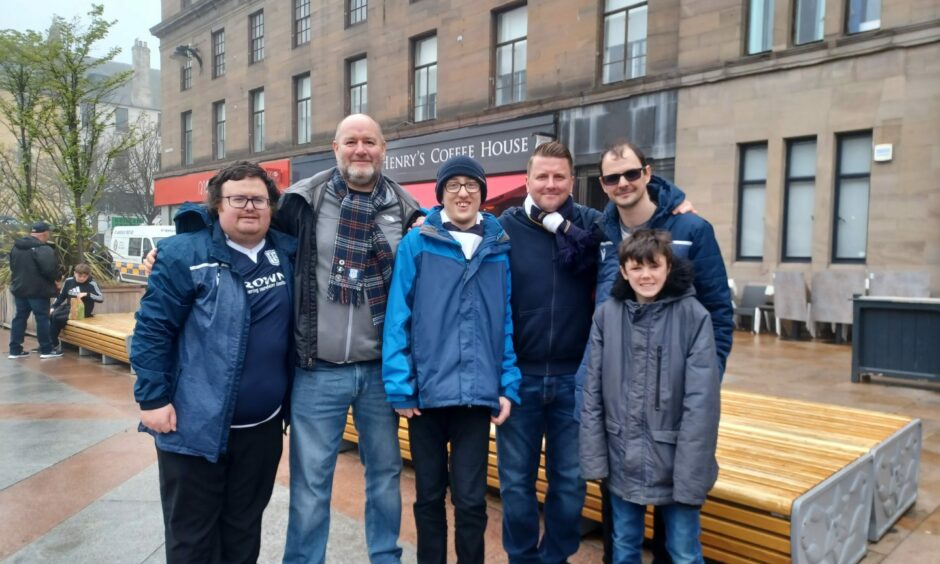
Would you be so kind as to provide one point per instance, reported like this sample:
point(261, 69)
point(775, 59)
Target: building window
point(809, 17)
point(425, 78)
point(186, 143)
point(358, 11)
point(218, 129)
point(120, 119)
point(799, 200)
point(751, 194)
point(863, 15)
point(218, 53)
point(358, 86)
point(186, 74)
point(853, 179)
point(256, 131)
point(302, 115)
point(301, 22)
point(256, 45)
point(624, 40)
point(760, 26)
point(511, 30)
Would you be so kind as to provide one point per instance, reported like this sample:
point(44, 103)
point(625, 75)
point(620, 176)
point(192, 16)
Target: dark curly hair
point(238, 170)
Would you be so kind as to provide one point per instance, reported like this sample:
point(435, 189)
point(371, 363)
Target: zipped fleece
point(331, 331)
point(552, 306)
point(190, 338)
point(448, 325)
point(649, 422)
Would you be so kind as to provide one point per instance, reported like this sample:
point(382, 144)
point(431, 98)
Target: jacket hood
point(28, 242)
point(678, 284)
point(666, 195)
point(192, 217)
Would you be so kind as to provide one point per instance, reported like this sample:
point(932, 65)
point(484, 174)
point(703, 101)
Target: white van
point(129, 246)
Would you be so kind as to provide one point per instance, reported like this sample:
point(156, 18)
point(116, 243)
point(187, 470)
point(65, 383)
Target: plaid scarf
point(362, 258)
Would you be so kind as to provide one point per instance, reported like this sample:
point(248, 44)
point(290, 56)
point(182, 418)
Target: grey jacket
point(649, 423)
point(323, 329)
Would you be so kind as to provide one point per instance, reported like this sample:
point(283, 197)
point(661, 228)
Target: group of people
point(34, 281)
point(271, 311)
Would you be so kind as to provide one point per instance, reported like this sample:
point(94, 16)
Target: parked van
point(129, 246)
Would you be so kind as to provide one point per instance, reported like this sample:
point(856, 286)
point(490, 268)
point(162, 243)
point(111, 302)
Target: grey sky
point(134, 20)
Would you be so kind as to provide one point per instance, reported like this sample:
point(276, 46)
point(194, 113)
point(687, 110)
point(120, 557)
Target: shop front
point(502, 148)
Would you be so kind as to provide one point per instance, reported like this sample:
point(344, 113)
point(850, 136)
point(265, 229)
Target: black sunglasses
point(631, 175)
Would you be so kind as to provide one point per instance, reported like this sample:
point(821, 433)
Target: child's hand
point(408, 412)
point(505, 406)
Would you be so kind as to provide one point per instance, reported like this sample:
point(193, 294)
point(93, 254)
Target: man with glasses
point(349, 220)
point(638, 198)
point(211, 350)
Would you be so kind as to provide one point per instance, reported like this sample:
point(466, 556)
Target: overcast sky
point(134, 20)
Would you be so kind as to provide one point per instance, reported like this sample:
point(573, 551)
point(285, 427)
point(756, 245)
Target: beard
point(360, 175)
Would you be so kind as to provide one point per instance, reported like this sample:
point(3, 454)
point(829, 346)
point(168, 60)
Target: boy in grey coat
point(649, 422)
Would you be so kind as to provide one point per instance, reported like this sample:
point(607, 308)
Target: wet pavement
point(78, 483)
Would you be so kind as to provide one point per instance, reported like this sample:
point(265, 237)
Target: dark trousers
point(212, 511)
point(660, 554)
point(467, 429)
point(39, 307)
point(56, 325)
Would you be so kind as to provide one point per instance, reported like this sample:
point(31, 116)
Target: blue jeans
point(319, 403)
point(547, 409)
point(39, 307)
point(683, 529)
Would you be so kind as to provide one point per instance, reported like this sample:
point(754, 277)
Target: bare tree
point(129, 188)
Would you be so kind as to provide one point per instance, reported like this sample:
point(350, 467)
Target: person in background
point(79, 286)
point(34, 270)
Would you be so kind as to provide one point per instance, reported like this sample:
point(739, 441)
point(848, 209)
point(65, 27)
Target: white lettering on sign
point(439, 155)
point(503, 147)
point(408, 160)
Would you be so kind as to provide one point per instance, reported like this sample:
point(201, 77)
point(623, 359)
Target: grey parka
point(649, 423)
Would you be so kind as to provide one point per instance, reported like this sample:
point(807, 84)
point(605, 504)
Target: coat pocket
point(662, 457)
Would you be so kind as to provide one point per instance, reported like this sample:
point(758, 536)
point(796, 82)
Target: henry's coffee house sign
point(501, 148)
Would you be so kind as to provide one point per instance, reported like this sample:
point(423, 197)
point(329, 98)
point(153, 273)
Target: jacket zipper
point(659, 367)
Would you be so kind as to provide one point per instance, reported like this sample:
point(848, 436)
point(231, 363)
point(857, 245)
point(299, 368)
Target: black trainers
point(21, 354)
point(55, 353)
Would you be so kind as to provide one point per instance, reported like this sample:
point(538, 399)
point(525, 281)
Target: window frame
point(357, 12)
point(218, 53)
point(186, 74)
point(513, 43)
point(769, 37)
point(848, 19)
point(309, 108)
point(253, 113)
point(788, 180)
point(302, 23)
point(361, 86)
point(256, 37)
point(838, 178)
point(431, 114)
point(121, 119)
point(742, 184)
point(795, 19)
point(186, 138)
point(626, 61)
point(218, 130)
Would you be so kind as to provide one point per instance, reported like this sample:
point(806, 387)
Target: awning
point(496, 186)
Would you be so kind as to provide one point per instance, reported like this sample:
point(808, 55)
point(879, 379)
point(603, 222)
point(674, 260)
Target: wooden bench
point(798, 481)
point(106, 334)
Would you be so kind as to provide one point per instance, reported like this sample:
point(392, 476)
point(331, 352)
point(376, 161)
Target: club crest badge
point(272, 257)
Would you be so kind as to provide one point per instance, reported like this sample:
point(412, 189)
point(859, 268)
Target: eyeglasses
point(631, 175)
point(240, 202)
point(472, 186)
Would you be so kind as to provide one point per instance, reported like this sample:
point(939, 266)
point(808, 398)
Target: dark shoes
point(21, 354)
point(55, 353)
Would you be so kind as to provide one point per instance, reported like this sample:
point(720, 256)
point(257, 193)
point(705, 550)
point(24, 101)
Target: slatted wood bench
point(798, 480)
point(106, 334)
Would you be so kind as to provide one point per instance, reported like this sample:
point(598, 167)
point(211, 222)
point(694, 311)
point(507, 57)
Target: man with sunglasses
point(638, 198)
point(213, 359)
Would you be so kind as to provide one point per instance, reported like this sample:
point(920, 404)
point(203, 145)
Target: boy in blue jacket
point(448, 359)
